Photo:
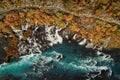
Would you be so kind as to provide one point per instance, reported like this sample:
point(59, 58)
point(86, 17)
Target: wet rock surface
point(42, 38)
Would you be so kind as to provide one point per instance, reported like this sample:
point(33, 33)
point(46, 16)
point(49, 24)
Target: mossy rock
point(118, 32)
point(104, 1)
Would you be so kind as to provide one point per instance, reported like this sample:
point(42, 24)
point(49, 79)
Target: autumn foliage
point(95, 27)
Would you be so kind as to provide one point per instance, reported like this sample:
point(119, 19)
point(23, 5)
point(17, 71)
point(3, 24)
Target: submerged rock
point(9, 77)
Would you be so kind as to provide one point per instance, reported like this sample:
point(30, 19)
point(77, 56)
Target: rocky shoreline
point(34, 26)
point(87, 26)
point(44, 37)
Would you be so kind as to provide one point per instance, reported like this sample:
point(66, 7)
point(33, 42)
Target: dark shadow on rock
point(115, 54)
point(2, 54)
point(11, 59)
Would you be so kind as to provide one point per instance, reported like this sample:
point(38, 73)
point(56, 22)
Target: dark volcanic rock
point(11, 58)
point(2, 54)
point(42, 38)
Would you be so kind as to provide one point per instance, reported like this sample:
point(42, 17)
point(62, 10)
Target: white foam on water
point(74, 37)
point(18, 33)
point(90, 45)
point(25, 27)
point(98, 52)
point(3, 64)
point(88, 64)
point(83, 42)
point(53, 38)
point(17, 68)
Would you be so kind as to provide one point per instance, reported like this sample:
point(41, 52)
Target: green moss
point(104, 1)
point(118, 32)
point(68, 3)
point(1, 4)
point(59, 15)
point(17, 27)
